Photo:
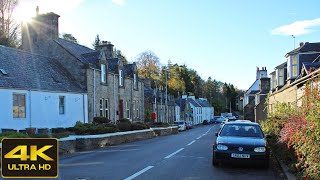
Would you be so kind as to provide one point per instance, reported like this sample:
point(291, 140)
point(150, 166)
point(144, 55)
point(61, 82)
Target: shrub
point(139, 126)
point(101, 120)
point(58, 130)
point(124, 126)
point(13, 135)
point(125, 120)
point(91, 129)
point(40, 136)
point(160, 124)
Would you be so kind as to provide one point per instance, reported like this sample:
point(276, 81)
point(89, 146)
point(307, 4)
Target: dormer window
point(120, 77)
point(273, 80)
point(135, 84)
point(294, 66)
point(280, 77)
point(103, 73)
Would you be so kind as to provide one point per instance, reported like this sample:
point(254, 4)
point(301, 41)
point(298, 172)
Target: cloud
point(119, 2)
point(297, 28)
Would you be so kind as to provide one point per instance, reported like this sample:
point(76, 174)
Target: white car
point(181, 125)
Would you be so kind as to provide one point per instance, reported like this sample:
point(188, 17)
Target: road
point(186, 155)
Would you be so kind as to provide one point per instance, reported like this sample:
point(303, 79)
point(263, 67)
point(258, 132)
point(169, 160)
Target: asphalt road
point(186, 155)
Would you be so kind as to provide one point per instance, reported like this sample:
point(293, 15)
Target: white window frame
point(133, 109)
point(120, 77)
point(137, 109)
point(128, 109)
point(64, 105)
point(294, 66)
point(281, 77)
point(101, 107)
point(19, 106)
point(274, 81)
point(135, 81)
point(106, 108)
point(103, 73)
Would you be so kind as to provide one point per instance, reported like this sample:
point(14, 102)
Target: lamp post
point(166, 105)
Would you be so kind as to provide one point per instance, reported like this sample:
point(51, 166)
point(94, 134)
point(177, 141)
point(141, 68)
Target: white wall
point(42, 110)
point(255, 86)
point(177, 113)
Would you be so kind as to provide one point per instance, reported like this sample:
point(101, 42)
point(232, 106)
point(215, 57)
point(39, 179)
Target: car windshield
point(179, 123)
point(242, 130)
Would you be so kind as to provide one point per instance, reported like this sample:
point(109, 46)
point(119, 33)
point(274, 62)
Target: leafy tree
point(8, 27)
point(121, 56)
point(70, 37)
point(149, 67)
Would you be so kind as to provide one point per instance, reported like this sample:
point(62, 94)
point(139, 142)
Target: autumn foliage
point(296, 132)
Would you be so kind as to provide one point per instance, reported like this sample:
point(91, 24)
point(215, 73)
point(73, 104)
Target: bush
point(101, 120)
point(125, 120)
point(13, 135)
point(124, 126)
point(40, 136)
point(58, 130)
point(139, 126)
point(160, 124)
point(91, 129)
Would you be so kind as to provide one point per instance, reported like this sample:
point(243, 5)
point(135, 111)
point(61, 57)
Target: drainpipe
point(114, 98)
point(83, 108)
point(94, 92)
point(30, 107)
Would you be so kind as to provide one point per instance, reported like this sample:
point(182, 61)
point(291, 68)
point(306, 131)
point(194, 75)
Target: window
point(120, 78)
point(137, 109)
point(281, 77)
point(294, 66)
point(134, 109)
point(103, 73)
point(101, 107)
point(106, 108)
point(135, 84)
point(19, 106)
point(128, 109)
point(274, 81)
point(61, 104)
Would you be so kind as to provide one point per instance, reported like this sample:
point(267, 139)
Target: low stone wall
point(166, 131)
point(77, 143)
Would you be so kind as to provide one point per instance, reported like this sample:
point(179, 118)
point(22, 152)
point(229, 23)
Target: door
point(121, 109)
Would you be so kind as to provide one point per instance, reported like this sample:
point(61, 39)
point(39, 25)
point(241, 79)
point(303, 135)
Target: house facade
point(37, 92)
point(302, 63)
point(114, 89)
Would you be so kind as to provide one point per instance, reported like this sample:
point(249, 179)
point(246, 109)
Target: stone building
point(114, 89)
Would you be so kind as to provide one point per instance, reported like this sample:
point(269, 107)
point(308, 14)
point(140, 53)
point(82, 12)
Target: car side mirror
point(217, 134)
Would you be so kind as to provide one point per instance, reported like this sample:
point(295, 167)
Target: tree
point(70, 37)
point(149, 67)
point(121, 56)
point(96, 42)
point(8, 27)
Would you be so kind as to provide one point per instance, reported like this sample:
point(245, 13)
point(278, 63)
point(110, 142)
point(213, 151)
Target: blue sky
point(224, 39)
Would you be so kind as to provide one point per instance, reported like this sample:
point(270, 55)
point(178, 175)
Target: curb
point(285, 169)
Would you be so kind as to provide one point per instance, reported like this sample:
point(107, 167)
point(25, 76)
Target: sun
point(24, 13)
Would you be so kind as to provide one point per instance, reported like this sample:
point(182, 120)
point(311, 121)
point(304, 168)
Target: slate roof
point(308, 57)
point(112, 64)
point(283, 65)
point(203, 103)
point(76, 50)
point(193, 102)
point(310, 67)
point(307, 47)
point(34, 72)
point(182, 102)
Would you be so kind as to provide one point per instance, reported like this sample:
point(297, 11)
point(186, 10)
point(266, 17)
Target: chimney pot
point(301, 44)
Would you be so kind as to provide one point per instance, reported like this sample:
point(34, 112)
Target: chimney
point(37, 10)
point(257, 73)
point(107, 47)
point(301, 44)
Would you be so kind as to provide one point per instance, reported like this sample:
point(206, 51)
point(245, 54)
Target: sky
point(222, 39)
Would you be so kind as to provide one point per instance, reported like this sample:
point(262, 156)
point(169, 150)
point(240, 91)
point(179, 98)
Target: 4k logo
point(29, 158)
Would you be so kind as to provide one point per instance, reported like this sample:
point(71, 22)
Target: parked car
point(181, 125)
point(205, 122)
point(218, 119)
point(242, 142)
point(190, 125)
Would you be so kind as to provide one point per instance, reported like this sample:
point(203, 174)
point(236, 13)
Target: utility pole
point(166, 105)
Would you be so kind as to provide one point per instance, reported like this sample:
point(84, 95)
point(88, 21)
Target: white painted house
point(207, 109)
point(177, 112)
point(37, 92)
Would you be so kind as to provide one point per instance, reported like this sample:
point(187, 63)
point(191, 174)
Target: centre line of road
point(199, 137)
point(138, 173)
point(169, 156)
point(191, 143)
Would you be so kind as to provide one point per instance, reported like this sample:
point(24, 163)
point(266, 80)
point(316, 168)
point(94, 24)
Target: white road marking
point(80, 164)
point(199, 137)
point(191, 143)
point(170, 155)
point(138, 173)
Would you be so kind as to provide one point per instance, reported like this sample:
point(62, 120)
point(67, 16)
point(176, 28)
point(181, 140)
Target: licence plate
point(234, 155)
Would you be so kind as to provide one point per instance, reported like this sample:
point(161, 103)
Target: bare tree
point(8, 27)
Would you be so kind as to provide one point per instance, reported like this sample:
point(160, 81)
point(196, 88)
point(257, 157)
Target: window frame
point(128, 109)
point(135, 82)
point(120, 77)
point(294, 66)
point(106, 108)
point(19, 106)
point(103, 73)
point(64, 105)
point(101, 101)
point(280, 77)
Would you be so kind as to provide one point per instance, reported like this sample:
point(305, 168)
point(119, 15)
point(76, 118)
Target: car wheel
point(214, 161)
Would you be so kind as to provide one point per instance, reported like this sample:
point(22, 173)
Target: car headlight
point(260, 149)
point(222, 147)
